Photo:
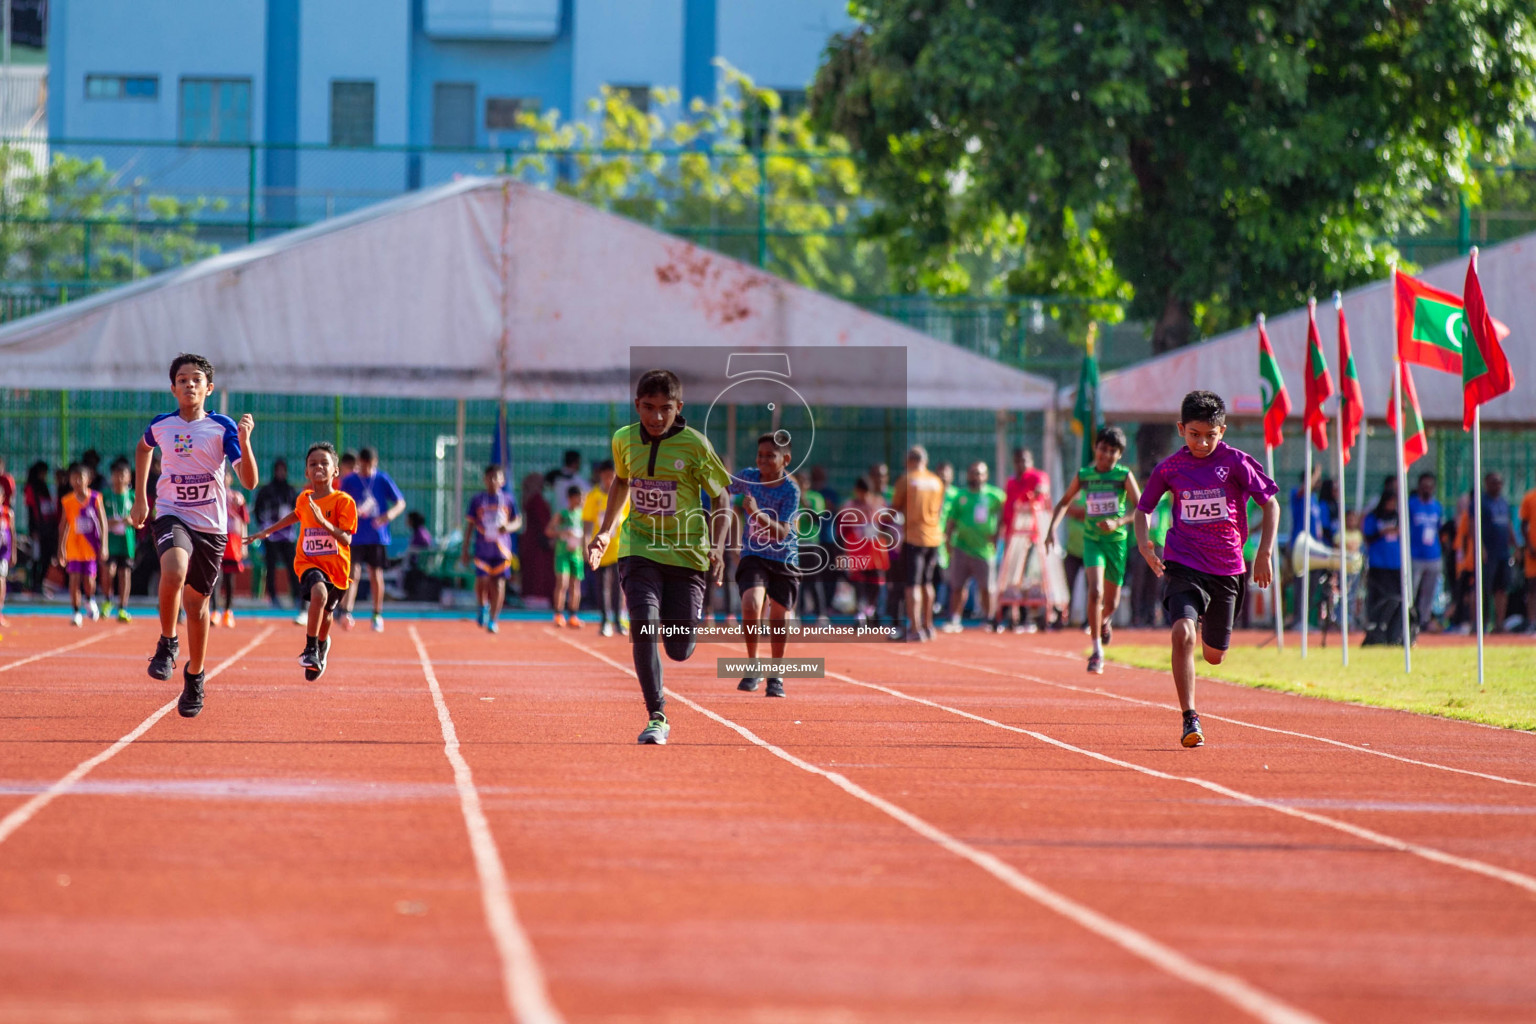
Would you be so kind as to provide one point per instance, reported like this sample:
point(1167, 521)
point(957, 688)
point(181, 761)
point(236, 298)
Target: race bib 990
point(1103, 503)
point(1208, 505)
point(318, 542)
point(654, 497)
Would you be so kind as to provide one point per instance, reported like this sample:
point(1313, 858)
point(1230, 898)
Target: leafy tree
point(1220, 157)
point(43, 213)
point(702, 170)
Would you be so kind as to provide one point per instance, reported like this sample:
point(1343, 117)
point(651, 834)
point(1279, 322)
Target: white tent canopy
point(1229, 363)
point(479, 289)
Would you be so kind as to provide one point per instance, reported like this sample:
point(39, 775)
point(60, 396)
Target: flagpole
point(1402, 473)
point(1342, 532)
point(1477, 525)
point(1304, 538)
point(1274, 564)
point(1477, 514)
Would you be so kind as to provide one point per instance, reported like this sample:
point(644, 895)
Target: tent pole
point(1339, 538)
point(1274, 563)
point(458, 470)
point(1304, 538)
point(1477, 530)
point(1402, 496)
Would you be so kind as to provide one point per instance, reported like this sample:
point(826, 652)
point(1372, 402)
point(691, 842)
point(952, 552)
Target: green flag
point(1086, 420)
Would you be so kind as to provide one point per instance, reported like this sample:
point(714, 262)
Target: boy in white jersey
point(190, 513)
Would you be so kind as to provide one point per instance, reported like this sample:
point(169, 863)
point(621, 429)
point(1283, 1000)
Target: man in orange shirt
point(919, 497)
point(1528, 525)
point(327, 519)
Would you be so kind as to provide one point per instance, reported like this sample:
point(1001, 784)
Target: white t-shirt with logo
point(192, 457)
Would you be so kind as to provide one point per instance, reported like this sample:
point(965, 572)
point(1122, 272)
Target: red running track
point(969, 830)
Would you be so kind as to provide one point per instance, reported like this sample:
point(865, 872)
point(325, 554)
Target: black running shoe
point(1192, 737)
point(1096, 663)
point(325, 654)
point(1106, 634)
point(310, 659)
point(164, 662)
point(748, 684)
point(775, 687)
point(191, 701)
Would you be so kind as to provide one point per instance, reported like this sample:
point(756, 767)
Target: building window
point(215, 110)
point(453, 114)
point(501, 112)
point(639, 96)
point(122, 87)
point(352, 113)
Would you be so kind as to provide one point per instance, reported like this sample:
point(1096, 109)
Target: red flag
point(1277, 404)
point(1319, 383)
point(1485, 372)
point(1415, 440)
point(1351, 398)
point(1430, 324)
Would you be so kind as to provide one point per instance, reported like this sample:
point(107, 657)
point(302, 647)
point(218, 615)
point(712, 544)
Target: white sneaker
point(378, 623)
point(77, 619)
point(93, 611)
point(300, 619)
point(952, 627)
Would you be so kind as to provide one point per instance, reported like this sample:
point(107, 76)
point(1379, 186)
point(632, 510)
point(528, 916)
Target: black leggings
point(660, 597)
point(605, 580)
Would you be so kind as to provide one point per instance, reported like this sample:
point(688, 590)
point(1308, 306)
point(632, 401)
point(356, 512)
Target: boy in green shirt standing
point(1107, 484)
point(118, 503)
point(973, 514)
point(671, 547)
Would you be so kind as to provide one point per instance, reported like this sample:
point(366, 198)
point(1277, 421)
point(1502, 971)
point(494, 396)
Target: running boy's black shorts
point(1200, 596)
point(781, 581)
point(333, 593)
point(205, 551)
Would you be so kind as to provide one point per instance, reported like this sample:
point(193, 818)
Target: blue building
point(451, 74)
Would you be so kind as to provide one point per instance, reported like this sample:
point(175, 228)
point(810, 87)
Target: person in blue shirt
point(1383, 574)
point(769, 569)
point(1499, 542)
point(1424, 518)
point(379, 502)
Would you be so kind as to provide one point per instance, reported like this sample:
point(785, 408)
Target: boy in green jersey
point(565, 530)
point(671, 546)
point(1106, 484)
point(120, 539)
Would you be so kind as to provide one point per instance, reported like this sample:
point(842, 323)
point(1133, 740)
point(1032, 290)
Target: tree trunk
point(1155, 441)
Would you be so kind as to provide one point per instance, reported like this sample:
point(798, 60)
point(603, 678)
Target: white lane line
point(57, 650)
point(522, 980)
point(1098, 691)
point(1229, 987)
point(23, 814)
point(1429, 853)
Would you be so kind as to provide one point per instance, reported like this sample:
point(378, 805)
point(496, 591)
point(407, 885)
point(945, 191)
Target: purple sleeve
point(1259, 486)
point(1152, 493)
point(149, 436)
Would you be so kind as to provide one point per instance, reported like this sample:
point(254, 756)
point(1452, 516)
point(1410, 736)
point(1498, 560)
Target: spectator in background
point(567, 476)
point(91, 460)
point(608, 594)
point(347, 466)
point(1466, 566)
point(1383, 578)
point(418, 543)
point(274, 500)
point(7, 532)
point(42, 521)
point(1499, 542)
point(1424, 518)
point(1143, 584)
point(1319, 528)
point(816, 589)
point(919, 497)
point(1026, 507)
point(379, 502)
point(1528, 524)
point(536, 554)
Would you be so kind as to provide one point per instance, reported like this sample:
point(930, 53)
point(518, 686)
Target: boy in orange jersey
point(82, 540)
point(327, 519)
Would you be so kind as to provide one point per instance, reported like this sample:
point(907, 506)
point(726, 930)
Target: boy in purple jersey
point(1202, 563)
point(490, 521)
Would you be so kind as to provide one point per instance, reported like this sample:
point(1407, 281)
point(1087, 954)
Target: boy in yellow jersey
point(606, 575)
point(671, 546)
point(327, 519)
point(82, 541)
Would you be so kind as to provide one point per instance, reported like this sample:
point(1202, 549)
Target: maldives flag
point(1319, 384)
point(1277, 404)
point(1485, 373)
point(1351, 398)
point(1415, 440)
point(1431, 325)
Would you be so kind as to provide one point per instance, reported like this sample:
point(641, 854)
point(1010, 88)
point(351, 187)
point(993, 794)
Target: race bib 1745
point(1206, 505)
point(654, 497)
